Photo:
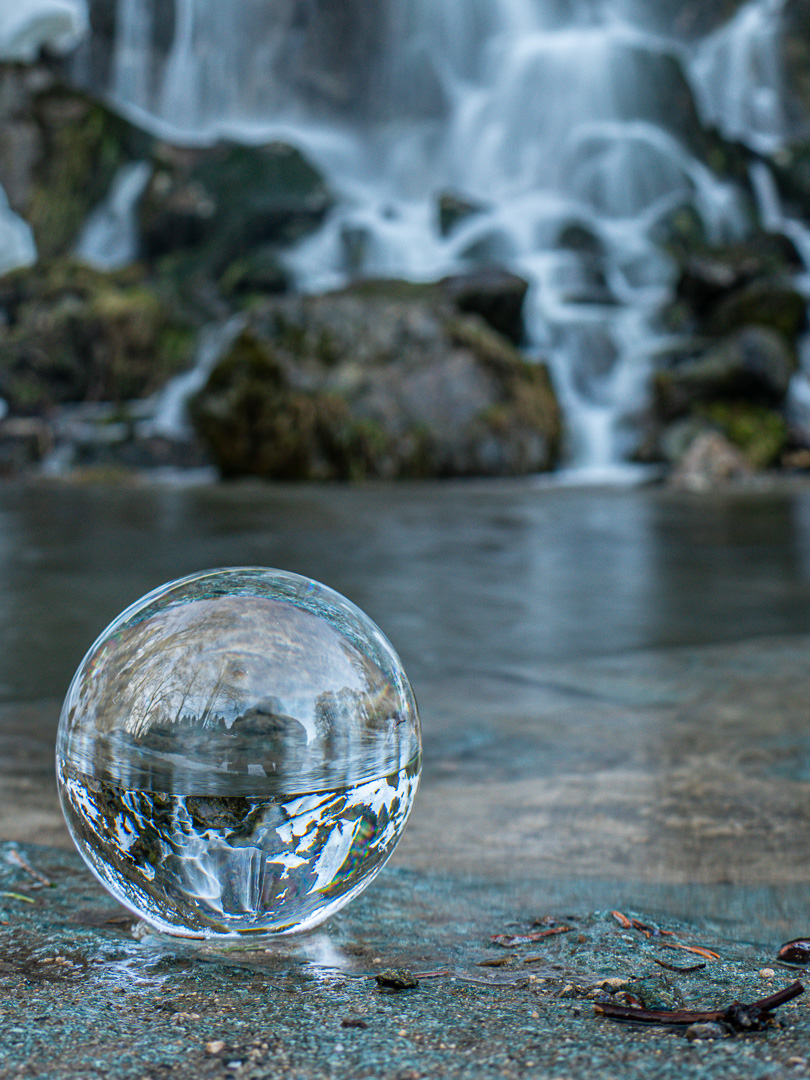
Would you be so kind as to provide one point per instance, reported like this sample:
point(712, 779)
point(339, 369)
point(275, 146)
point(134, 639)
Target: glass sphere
point(238, 752)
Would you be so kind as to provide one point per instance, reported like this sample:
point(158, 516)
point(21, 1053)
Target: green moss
point(760, 433)
point(76, 334)
point(490, 347)
point(766, 302)
point(84, 144)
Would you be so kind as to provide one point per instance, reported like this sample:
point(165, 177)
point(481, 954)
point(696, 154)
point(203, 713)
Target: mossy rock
point(710, 274)
point(83, 145)
point(760, 433)
point(75, 334)
point(357, 384)
point(255, 423)
point(59, 152)
point(226, 200)
point(768, 302)
point(755, 364)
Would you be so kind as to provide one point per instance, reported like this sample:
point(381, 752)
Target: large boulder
point(69, 333)
point(715, 282)
point(228, 199)
point(375, 382)
point(494, 294)
point(755, 363)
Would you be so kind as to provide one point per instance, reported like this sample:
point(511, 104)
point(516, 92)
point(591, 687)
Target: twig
point(698, 950)
point(18, 860)
point(737, 1016)
point(506, 941)
point(673, 967)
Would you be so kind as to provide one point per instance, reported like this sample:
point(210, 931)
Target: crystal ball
point(238, 753)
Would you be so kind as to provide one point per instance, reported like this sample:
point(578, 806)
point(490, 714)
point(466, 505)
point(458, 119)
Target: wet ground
point(614, 694)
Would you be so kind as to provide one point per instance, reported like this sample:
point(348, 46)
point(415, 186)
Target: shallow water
point(482, 580)
point(613, 683)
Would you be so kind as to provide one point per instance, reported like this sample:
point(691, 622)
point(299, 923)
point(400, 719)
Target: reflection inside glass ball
point(238, 752)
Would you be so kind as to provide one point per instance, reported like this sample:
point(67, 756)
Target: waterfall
point(737, 75)
point(571, 126)
point(17, 246)
point(109, 239)
point(27, 25)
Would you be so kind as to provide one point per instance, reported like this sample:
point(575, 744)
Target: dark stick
point(738, 1016)
point(673, 967)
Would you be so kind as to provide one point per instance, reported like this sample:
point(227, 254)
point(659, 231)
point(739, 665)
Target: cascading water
point(566, 124)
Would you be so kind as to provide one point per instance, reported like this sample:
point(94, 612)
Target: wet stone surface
point(84, 992)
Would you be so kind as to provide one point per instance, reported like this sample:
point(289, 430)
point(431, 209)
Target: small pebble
point(396, 979)
point(214, 1047)
point(700, 1032)
point(768, 973)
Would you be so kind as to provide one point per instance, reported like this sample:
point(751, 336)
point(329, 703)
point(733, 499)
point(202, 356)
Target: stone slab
point(85, 992)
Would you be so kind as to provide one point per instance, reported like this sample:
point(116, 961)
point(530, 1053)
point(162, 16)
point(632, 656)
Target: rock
point(766, 303)
point(70, 333)
point(680, 231)
point(710, 275)
point(760, 433)
point(755, 363)
point(375, 383)
point(228, 199)
point(453, 209)
point(704, 1032)
point(710, 460)
point(732, 379)
point(796, 460)
point(59, 152)
point(494, 294)
point(396, 979)
point(795, 41)
point(674, 440)
point(257, 274)
point(790, 166)
point(581, 239)
point(24, 442)
point(795, 952)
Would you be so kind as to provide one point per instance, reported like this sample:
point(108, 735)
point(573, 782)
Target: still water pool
point(613, 683)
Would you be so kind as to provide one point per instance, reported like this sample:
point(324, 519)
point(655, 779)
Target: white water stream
point(546, 114)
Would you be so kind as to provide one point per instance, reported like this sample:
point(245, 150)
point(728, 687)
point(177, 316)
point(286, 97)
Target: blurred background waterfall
point(590, 147)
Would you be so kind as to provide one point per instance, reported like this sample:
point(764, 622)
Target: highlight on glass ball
point(238, 753)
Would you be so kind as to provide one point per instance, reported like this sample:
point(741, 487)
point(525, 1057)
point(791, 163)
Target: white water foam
point(17, 247)
point(28, 25)
point(109, 239)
